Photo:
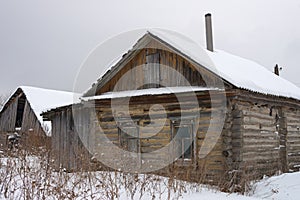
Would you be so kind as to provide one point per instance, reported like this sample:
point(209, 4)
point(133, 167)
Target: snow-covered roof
point(150, 91)
point(240, 72)
point(41, 99)
point(247, 74)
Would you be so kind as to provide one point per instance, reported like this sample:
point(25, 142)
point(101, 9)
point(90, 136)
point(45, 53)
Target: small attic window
point(20, 111)
point(152, 70)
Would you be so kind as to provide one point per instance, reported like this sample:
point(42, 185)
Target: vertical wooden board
point(71, 140)
point(145, 72)
point(86, 127)
point(63, 138)
point(8, 117)
point(139, 75)
point(13, 113)
point(68, 139)
point(59, 139)
point(92, 129)
point(29, 120)
point(26, 117)
point(55, 140)
point(163, 72)
point(75, 149)
point(74, 139)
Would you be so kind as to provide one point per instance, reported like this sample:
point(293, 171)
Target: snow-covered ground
point(285, 186)
point(31, 178)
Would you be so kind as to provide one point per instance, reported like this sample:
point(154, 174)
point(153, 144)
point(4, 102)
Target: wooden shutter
point(152, 71)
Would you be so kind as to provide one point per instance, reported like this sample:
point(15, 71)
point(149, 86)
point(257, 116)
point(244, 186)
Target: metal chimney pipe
point(209, 37)
point(276, 70)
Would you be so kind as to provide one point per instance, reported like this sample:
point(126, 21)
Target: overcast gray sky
point(43, 43)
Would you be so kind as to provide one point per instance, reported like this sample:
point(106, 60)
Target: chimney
point(209, 37)
point(276, 70)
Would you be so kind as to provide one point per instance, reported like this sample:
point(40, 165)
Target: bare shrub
point(243, 178)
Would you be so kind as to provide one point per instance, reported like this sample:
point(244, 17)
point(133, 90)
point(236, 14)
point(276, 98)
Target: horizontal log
point(257, 114)
point(258, 127)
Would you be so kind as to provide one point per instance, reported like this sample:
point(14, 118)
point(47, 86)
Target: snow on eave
point(54, 109)
point(149, 92)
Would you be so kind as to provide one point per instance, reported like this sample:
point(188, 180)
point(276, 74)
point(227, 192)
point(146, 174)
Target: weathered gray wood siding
point(8, 118)
point(30, 121)
point(173, 71)
point(67, 146)
point(293, 138)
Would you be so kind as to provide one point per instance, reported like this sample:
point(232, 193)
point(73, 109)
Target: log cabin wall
point(292, 135)
point(252, 142)
point(256, 138)
point(213, 166)
point(265, 135)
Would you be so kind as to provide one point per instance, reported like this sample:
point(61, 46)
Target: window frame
point(128, 137)
point(189, 122)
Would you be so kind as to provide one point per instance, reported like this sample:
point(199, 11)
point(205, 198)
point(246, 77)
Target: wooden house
point(22, 110)
point(245, 120)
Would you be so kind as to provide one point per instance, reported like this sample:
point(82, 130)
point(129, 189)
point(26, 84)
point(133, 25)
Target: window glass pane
point(184, 143)
point(189, 149)
point(183, 132)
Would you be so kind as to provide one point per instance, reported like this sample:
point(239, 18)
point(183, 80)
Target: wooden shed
point(260, 134)
point(22, 110)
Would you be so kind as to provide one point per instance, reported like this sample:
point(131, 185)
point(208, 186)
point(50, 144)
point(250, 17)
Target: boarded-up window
point(152, 71)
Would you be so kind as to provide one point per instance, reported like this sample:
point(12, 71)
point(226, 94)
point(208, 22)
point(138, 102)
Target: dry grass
point(29, 173)
point(31, 177)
